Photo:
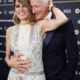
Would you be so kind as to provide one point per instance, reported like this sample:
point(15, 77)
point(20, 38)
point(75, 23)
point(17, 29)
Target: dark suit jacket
point(59, 46)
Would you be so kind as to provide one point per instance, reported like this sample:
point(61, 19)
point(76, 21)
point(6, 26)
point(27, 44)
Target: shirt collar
point(48, 17)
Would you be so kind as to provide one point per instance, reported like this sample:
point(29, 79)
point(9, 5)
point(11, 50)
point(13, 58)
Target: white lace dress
point(28, 41)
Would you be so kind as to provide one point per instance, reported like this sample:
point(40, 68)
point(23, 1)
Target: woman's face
point(21, 10)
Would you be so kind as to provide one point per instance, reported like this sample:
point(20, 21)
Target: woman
point(26, 37)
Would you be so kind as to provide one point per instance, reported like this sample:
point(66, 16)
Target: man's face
point(39, 9)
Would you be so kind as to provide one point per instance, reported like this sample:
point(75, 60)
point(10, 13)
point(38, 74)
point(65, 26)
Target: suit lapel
point(48, 37)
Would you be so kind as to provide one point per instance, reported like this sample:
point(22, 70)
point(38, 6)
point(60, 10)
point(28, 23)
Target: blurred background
point(70, 7)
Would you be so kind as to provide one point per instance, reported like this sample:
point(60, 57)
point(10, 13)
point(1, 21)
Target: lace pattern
point(31, 48)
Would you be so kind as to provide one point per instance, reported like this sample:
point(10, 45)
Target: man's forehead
point(35, 2)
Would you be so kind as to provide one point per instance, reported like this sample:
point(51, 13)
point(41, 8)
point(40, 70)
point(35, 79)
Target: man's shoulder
point(67, 24)
point(63, 27)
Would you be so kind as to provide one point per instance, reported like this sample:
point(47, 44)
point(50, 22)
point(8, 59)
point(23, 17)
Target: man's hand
point(19, 64)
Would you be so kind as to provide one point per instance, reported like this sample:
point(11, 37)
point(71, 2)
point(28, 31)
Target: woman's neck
point(23, 22)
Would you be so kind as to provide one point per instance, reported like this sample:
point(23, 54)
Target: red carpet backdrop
point(70, 8)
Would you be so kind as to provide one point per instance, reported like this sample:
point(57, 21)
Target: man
point(59, 47)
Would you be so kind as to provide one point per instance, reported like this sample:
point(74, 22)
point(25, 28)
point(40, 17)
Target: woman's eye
point(17, 6)
point(23, 5)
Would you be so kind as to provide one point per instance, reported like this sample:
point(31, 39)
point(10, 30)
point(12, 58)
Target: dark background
point(70, 7)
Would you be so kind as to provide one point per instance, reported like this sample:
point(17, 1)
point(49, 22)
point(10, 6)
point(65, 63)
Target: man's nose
point(33, 10)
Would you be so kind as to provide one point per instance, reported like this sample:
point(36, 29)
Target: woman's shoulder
point(9, 29)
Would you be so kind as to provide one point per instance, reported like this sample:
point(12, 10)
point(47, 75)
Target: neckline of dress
point(24, 24)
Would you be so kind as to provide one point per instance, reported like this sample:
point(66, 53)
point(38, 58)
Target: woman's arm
point(14, 61)
point(8, 33)
point(60, 18)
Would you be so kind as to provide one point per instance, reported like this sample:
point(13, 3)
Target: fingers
point(18, 54)
point(26, 66)
point(50, 5)
point(19, 64)
point(22, 62)
point(22, 65)
point(23, 68)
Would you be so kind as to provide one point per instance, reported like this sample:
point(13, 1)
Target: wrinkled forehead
point(38, 2)
point(35, 2)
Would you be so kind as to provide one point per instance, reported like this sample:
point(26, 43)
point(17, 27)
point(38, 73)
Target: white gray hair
point(45, 1)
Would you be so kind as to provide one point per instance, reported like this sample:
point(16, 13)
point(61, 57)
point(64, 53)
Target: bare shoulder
point(9, 29)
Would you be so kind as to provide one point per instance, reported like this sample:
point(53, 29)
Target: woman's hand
point(50, 5)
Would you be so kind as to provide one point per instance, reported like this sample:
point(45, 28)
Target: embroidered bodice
point(27, 40)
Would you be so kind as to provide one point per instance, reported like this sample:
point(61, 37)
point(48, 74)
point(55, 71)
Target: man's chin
point(38, 18)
